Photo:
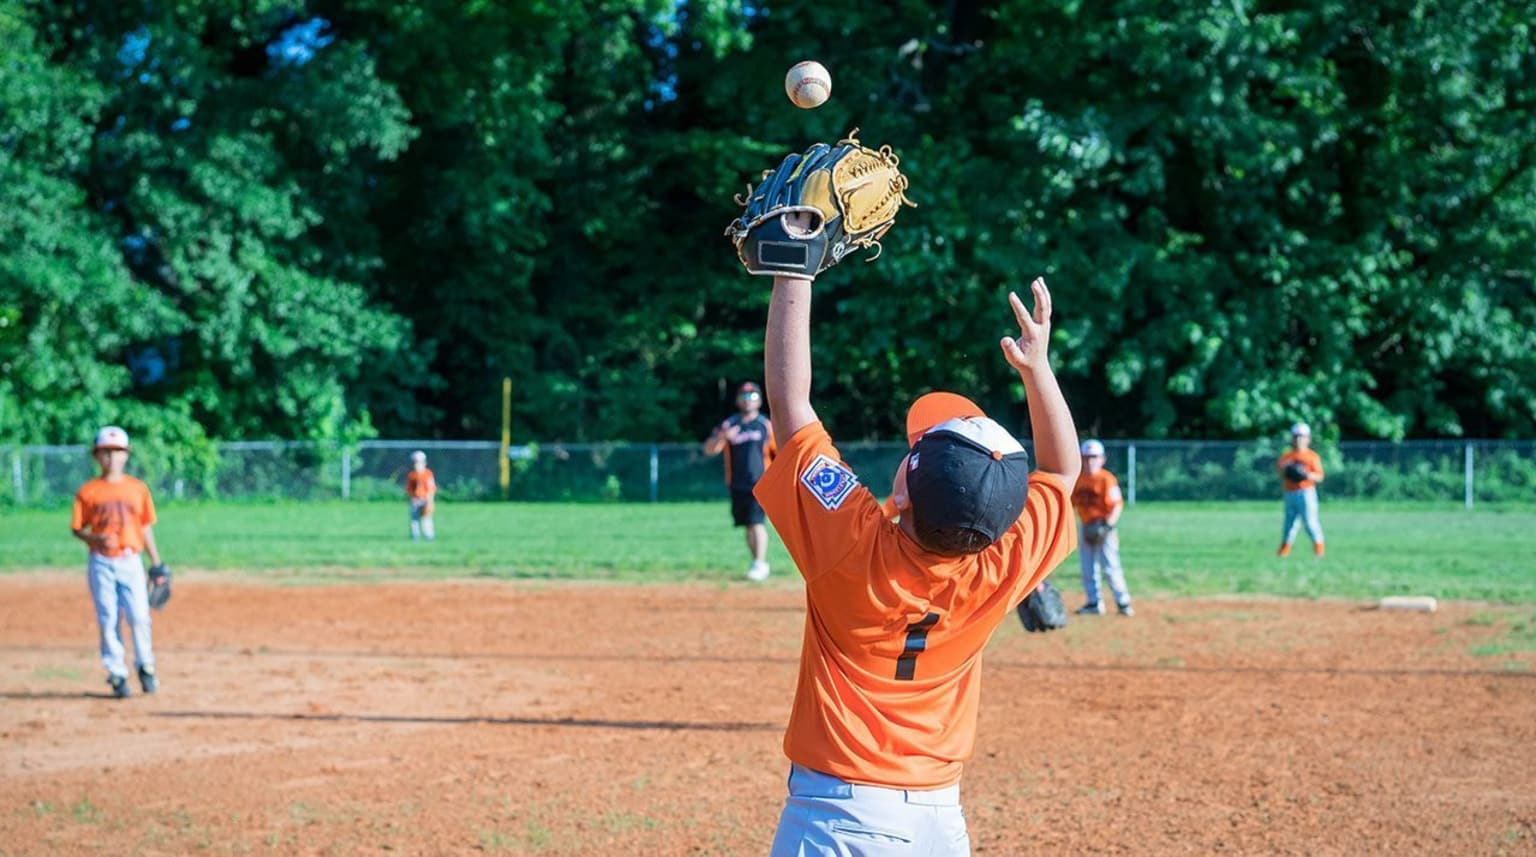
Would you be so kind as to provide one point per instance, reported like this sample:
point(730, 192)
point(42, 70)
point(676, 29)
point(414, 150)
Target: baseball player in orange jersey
point(114, 515)
point(1300, 470)
point(421, 491)
point(898, 612)
point(1097, 501)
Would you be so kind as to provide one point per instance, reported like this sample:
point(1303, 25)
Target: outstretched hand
point(1027, 352)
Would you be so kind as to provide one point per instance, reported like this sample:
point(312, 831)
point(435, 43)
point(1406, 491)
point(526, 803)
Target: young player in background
point(1098, 503)
point(746, 438)
point(421, 491)
point(1300, 470)
point(114, 515)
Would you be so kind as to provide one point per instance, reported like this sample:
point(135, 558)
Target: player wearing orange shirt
point(898, 612)
point(1300, 470)
point(1097, 501)
point(421, 491)
point(114, 515)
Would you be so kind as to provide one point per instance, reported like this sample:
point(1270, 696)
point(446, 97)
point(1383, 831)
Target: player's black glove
point(851, 193)
point(1043, 610)
point(1095, 532)
point(1294, 472)
point(159, 585)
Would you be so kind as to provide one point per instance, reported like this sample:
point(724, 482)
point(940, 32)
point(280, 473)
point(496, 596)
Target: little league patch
point(829, 482)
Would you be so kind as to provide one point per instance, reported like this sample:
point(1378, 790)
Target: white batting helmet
point(418, 455)
point(1301, 429)
point(1092, 447)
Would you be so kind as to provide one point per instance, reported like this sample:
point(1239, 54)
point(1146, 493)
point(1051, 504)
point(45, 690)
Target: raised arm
point(1050, 421)
point(787, 356)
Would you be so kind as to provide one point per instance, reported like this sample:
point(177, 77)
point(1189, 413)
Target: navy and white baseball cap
point(111, 437)
point(749, 388)
point(964, 470)
point(1091, 448)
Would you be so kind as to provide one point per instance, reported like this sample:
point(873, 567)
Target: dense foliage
point(316, 219)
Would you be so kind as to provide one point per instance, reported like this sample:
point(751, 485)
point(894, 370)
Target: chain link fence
point(1469, 472)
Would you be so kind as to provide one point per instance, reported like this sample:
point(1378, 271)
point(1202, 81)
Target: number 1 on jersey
point(917, 642)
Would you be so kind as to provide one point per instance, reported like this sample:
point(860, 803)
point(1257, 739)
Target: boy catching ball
point(898, 612)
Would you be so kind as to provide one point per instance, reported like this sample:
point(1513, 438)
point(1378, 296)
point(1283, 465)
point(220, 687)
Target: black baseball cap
point(748, 388)
point(964, 471)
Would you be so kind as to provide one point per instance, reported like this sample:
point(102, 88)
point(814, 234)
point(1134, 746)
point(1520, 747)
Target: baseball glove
point(851, 192)
point(1043, 610)
point(159, 585)
point(1295, 472)
point(1095, 532)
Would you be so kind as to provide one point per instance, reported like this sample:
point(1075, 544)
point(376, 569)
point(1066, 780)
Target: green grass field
point(1169, 548)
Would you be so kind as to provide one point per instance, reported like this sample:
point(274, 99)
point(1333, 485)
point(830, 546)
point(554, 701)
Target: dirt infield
point(544, 719)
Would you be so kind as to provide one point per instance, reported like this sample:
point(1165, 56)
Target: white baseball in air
point(808, 84)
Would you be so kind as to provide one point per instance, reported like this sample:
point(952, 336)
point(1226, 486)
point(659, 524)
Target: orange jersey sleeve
point(1095, 496)
point(816, 503)
point(890, 663)
point(120, 510)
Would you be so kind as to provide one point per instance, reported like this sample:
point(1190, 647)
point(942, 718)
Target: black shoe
point(147, 679)
point(120, 688)
point(1094, 609)
point(1126, 610)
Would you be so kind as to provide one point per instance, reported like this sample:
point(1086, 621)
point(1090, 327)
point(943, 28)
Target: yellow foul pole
point(506, 435)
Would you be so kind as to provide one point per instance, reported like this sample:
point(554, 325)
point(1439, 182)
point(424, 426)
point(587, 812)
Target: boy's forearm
point(150, 547)
point(787, 355)
point(1050, 421)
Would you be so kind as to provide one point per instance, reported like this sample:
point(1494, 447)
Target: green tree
point(199, 189)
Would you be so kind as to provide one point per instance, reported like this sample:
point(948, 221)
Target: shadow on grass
point(576, 722)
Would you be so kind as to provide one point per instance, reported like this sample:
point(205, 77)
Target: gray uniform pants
point(829, 817)
point(1102, 558)
point(1301, 508)
point(119, 582)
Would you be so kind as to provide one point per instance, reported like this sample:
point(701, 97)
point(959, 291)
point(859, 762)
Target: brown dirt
point(573, 719)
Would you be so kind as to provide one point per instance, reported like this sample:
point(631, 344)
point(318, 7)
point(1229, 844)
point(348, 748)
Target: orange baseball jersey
point(419, 484)
point(890, 664)
point(121, 509)
point(1308, 458)
point(1096, 496)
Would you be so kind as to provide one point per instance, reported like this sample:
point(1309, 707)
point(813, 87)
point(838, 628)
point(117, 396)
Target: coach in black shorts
point(747, 441)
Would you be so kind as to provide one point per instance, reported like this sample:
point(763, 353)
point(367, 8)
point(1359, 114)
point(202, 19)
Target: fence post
point(1130, 474)
point(1468, 469)
point(17, 481)
point(346, 474)
point(655, 471)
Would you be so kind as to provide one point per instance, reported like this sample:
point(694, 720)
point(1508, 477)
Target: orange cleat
point(1285, 550)
point(1317, 550)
